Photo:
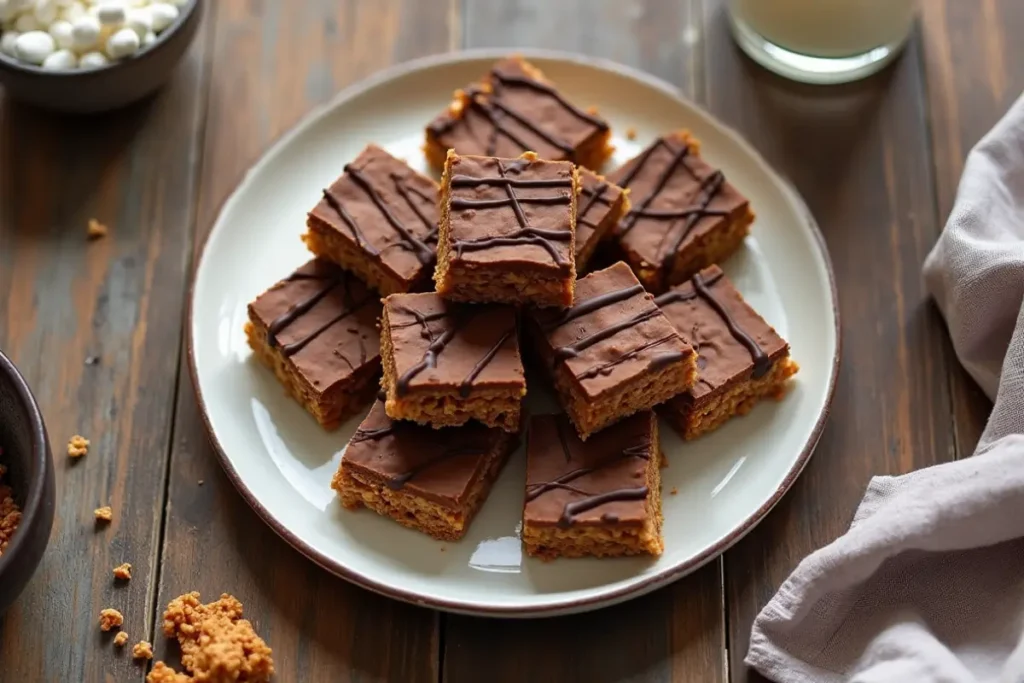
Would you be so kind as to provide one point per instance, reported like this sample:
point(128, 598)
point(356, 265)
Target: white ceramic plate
point(282, 462)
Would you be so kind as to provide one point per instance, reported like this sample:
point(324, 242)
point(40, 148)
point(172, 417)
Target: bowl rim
point(40, 455)
point(185, 13)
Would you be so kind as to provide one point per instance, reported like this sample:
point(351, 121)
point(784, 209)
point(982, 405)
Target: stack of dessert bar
point(496, 256)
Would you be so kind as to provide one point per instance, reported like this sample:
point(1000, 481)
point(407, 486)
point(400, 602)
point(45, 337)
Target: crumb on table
point(96, 230)
point(162, 673)
point(142, 650)
point(110, 618)
point(200, 482)
point(78, 446)
point(103, 514)
point(10, 513)
point(121, 638)
point(123, 571)
point(217, 644)
point(674, 491)
point(631, 133)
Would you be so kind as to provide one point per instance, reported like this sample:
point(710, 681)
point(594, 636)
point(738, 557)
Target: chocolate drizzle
point(467, 384)
point(458, 204)
point(709, 187)
point(594, 304)
point(594, 195)
point(572, 350)
point(335, 203)
point(702, 288)
point(629, 222)
point(590, 500)
point(526, 234)
point(297, 310)
point(657, 361)
point(372, 434)
point(424, 253)
point(495, 110)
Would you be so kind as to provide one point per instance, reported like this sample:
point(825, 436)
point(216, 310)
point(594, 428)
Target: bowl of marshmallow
point(87, 56)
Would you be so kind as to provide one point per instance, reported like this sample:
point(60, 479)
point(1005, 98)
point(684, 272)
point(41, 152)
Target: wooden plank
point(971, 56)
point(272, 64)
point(859, 156)
point(677, 633)
point(119, 299)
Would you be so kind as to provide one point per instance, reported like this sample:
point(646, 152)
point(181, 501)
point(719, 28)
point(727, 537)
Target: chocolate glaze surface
point(389, 210)
point(443, 345)
point(677, 198)
point(442, 465)
point(601, 481)
point(732, 341)
point(612, 334)
point(514, 213)
point(597, 199)
point(512, 112)
point(324, 320)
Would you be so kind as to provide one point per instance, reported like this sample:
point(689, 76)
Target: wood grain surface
point(878, 163)
point(118, 299)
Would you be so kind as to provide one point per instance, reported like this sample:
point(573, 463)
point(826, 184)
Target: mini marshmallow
point(73, 12)
point(148, 39)
point(7, 10)
point(139, 20)
point(123, 43)
point(111, 14)
point(93, 60)
point(45, 13)
point(61, 32)
point(61, 59)
point(7, 43)
point(34, 47)
point(85, 32)
point(26, 22)
point(163, 15)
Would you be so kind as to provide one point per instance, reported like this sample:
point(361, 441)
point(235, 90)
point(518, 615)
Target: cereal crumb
point(674, 491)
point(103, 514)
point(631, 133)
point(162, 673)
point(142, 650)
point(200, 482)
point(91, 360)
point(96, 230)
point(78, 446)
point(217, 644)
point(10, 513)
point(443, 549)
point(123, 571)
point(110, 618)
point(121, 638)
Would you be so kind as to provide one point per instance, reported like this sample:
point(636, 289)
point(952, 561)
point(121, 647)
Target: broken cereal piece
point(121, 638)
point(78, 446)
point(123, 571)
point(96, 230)
point(110, 618)
point(631, 133)
point(103, 514)
point(142, 650)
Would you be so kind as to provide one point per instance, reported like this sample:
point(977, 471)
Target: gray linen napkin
point(928, 583)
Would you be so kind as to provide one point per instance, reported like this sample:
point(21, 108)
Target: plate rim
point(567, 606)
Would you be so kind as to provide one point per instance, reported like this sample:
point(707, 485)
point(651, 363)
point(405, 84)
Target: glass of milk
point(822, 41)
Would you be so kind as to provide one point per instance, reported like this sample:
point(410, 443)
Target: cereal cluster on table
point(421, 293)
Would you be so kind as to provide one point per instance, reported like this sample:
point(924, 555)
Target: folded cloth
point(928, 583)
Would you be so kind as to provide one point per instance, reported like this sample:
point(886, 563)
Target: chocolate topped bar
point(684, 216)
point(318, 329)
point(446, 363)
point(507, 230)
point(433, 480)
point(379, 220)
point(595, 498)
point(514, 109)
point(741, 358)
point(601, 205)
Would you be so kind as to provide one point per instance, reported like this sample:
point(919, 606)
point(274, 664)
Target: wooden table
point(877, 161)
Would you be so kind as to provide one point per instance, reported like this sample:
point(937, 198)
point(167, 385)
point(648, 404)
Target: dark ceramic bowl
point(26, 453)
point(87, 91)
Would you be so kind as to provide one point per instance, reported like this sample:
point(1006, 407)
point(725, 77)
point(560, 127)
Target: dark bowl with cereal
point(26, 487)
